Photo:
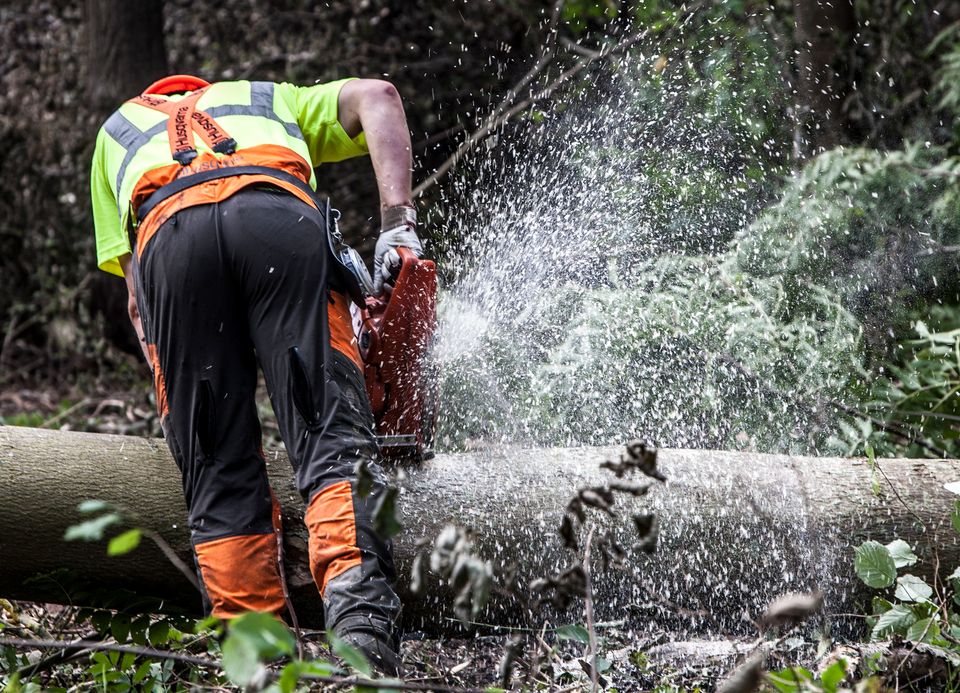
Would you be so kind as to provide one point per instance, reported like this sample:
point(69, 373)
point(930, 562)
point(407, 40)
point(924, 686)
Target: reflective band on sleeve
point(260, 111)
point(261, 94)
point(135, 147)
point(122, 130)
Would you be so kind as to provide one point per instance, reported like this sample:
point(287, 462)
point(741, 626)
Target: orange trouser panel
point(159, 384)
point(241, 574)
point(333, 533)
point(342, 337)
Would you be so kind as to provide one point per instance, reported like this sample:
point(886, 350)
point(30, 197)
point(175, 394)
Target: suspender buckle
point(226, 146)
point(185, 156)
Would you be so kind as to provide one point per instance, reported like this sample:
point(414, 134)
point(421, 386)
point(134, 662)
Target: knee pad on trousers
point(242, 572)
point(332, 525)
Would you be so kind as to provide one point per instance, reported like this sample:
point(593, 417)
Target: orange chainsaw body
point(395, 336)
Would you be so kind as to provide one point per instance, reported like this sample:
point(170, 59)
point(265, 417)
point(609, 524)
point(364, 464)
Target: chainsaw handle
point(407, 258)
point(406, 255)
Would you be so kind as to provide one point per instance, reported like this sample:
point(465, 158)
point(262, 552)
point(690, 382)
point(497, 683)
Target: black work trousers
point(220, 288)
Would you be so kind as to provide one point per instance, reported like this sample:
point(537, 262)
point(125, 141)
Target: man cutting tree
point(203, 201)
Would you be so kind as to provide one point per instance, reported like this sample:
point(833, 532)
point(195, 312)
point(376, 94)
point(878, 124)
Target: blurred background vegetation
point(816, 308)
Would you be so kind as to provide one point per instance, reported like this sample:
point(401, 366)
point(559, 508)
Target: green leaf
point(789, 680)
point(240, 662)
point(120, 628)
point(385, 514)
point(880, 605)
point(924, 630)
point(91, 530)
point(291, 674)
point(158, 633)
point(254, 638)
point(268, 635)
point(138, 630)
point(874, 564)
point(364, 478)
point(833, 676)
point(349, 654)
point(910, 588)
point(124, 543)
point(142, 671)
point(88, 507)
point(897, 620)
point(320, 668)
point(210, 623)
point(101, 621)
point(573, 632)
point(289, 677)
point(955, 516)
point(903, 555)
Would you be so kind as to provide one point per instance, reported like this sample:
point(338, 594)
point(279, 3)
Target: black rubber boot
point(379, 649)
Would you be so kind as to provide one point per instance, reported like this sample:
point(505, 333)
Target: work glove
point(398, 231)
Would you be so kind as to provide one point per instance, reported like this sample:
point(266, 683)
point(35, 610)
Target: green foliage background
point(759, 300)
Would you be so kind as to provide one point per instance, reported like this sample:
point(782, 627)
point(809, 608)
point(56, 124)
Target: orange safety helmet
point(175, 84)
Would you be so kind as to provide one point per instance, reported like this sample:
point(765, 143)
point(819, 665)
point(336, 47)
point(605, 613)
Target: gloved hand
point(399, 231)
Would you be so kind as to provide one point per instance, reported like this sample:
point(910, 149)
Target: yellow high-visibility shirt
point(133, 141)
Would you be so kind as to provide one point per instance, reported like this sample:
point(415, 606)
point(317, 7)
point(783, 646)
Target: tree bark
point(737, 529)
point(823, 29)
point(125, 49)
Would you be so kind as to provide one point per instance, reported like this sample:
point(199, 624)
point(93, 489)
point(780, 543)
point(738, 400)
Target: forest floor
point(626, 661)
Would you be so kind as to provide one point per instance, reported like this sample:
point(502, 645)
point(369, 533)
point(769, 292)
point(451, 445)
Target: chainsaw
point(394, 334)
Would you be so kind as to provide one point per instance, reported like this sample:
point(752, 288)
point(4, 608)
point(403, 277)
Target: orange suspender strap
point(183, 120)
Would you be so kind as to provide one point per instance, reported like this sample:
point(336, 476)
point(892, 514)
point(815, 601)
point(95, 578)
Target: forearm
point(132, 311)
point(374, 106)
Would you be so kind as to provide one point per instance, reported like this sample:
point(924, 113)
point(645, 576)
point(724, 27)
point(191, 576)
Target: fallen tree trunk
point(736, 528)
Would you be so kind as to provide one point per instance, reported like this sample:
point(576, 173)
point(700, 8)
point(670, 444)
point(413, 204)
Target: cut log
point(736, 529)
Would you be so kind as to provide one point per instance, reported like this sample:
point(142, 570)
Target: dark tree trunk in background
point(823, 30)
point(125, 49)
point(125, 52)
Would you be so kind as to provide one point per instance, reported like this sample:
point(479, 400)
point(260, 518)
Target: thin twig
point(588, 608)
point(66, 412)
point(916, 644)
point(97, 646)
point(578, 49)
point(504, 112)
point(929, 414)
point(437, 137)
point(813, 401)
point(876, 464)
point(895, 429)
point(538, 67)
point(392, 684)
point(27, 672)
point(533, 671)
point(172, 557)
